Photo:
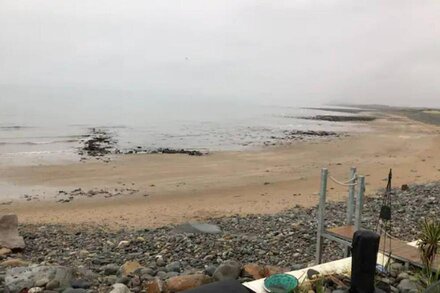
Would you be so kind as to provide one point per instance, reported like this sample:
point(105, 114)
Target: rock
point(120, 288)
point(9, 237)
point(171, 274)
point(198, 228)
point(404, 187)
point(272, 270)
point(110, 269)
point(181, 283)
point(129, 268)
point(84, 253)
point(51, 285)
point(173, 267)
point(123, 244)
point(227, 271)
point(19, 278)
point(35, 290)
point(80, 284)
point(41, 282)
point(72, 290)
point(311, 273)
point(110, 280)
point(407, 286)
point(402, 276)
point(161, 274)
point(160, 262)
point(123, 280)
point(14, 262)
point(154, 286)
point(396, 268)
point(210, 270)
point(253, 270)
point(5, 251)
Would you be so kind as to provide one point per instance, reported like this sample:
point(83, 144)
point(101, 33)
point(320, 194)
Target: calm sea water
point(44, 127)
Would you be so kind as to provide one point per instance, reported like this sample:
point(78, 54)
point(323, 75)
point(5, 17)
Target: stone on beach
point(19, 278)
point(9, 237)
point(120, 288)
point(229, 270)
point(181, 283)
point(253, 270)
point(198, 228)
point(130, 267)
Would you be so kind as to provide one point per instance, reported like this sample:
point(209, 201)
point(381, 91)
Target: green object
point(280, 283)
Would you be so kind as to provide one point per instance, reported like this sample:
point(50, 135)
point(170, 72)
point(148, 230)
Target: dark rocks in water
point(310, 133)
point(337, 118)
point(98, 144)
point(140, 150)
point(341, 110)
point(177, 151)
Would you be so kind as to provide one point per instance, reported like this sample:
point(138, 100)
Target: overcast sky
point(375, 51)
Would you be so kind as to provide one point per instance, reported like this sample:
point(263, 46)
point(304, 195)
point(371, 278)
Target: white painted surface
point(338, 266)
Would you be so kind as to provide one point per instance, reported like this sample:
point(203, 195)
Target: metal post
point(321, 211)
point(359, 203)
point(351, 191)
point(350, 204)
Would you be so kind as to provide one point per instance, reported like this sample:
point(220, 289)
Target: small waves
point(14, 127)
point(38, 142)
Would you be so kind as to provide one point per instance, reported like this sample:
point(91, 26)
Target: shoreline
point(173, 188)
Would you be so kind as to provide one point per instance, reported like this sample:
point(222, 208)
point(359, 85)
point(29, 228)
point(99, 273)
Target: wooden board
point(399, 249)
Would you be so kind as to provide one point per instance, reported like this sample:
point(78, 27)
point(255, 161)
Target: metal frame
point(353, 205)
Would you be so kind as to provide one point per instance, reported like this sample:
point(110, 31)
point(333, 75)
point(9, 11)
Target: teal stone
point(280, 283)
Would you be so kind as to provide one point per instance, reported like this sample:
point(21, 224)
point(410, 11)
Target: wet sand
point(174, 188)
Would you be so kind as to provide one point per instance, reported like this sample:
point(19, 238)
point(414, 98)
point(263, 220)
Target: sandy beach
point(158, 189)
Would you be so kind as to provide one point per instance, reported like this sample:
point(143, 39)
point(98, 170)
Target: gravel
point(285, 239)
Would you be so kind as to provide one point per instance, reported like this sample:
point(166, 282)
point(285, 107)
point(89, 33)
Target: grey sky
point(371, 51)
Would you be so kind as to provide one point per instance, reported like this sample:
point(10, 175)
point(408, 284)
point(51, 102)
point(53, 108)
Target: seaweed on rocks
point(98, 143)
point(337, 118)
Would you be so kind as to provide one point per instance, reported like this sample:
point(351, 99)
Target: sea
point(51, 129)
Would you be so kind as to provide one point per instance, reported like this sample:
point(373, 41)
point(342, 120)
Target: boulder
point(19, 278)
point(181, 283)
point(254, 271)
point(9, 237)
point(229, 270)
point(120, 288)
point(198, 228)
